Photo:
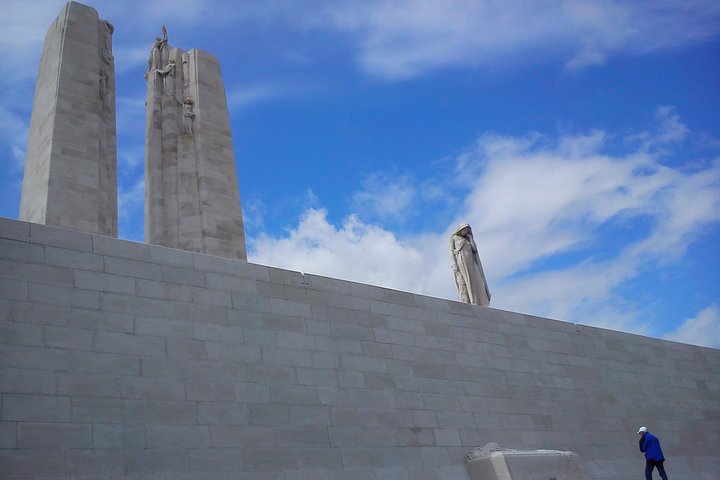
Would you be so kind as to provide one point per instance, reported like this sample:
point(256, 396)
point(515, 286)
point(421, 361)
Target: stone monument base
point(494, 463)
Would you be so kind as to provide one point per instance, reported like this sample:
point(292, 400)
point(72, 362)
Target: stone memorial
point(494, 463)
point(467, 268)
point(192, 200)
point(131, 361)
point(70, 175)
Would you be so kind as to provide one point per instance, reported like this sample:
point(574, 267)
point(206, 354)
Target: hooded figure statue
point(469, 275)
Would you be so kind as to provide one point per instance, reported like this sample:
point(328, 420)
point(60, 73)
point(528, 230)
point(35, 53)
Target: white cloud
point(385, 196)
point(353, 251)
point(703, 329)
point(540, 210)
point(398, 39)
point(130, 199)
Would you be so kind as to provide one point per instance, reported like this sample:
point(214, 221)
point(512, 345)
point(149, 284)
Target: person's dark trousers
point(649, 465)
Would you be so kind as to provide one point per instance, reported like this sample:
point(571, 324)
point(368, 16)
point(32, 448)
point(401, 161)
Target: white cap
point(642, 430)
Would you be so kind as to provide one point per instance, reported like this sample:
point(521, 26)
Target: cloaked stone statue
point(469, 276)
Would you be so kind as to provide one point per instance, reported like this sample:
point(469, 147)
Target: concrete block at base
point(493, 463)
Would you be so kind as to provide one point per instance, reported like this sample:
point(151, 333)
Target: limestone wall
point(125, 360)
point(70, 175)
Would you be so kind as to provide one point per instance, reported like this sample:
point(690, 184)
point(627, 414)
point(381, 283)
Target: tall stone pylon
point(192, 199)
point(70, 175)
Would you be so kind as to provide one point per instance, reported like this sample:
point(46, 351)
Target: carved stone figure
point(156, 52)
point(168, 76)
point(188, 115)
point(186, 73)
point(106, 64)
point(469, 275)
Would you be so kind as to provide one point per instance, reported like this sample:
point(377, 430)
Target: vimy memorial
point(179, 359)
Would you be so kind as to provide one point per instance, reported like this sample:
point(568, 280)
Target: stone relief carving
point(168, 76)
point(469, 276)
point(188, 115)
point(154, 60)
point(106, 31)
point(186, 73)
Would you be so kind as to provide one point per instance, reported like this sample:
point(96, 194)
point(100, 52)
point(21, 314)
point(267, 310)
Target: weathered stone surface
point(337, 380)
point(71, 164)
point(192, 199)
point(494, 463)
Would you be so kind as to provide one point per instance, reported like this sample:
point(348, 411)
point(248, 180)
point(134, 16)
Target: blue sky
point(580, 139)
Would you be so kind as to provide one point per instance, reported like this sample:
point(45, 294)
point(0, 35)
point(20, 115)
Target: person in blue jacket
point(650, 446)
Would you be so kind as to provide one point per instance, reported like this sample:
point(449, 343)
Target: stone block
point(313, 376)
point(229, 352)
point(268, 414)
point(14, 230)
point(178, 436)
point(36, 272)
point(363, 363)
point(293, 394)
point(308, 436)
point(160, 412)
point(222, 413)
point(183, 276)
point(35, 408)
point(20, 334)
point(250, 303)
point(97, 410)
point(104, 363)
point(114, 247)
point(163, 291)
point(104, 282)
point(132, 268)
point(171, 257)
point(87, 384)
point(210, 389)
point(23, 381)
point(222, 333)
point(71, 338)
point(309, 415)
point(269, 289)
point(152, 388)
point(186, 349)
point(268, 459)
point(278, 322)
point(20, 356)
point(340, 345)
point(16, 250)
point(53, 435)
point(129, 344)
point(163, 327)
point(62, 257)
point(8, 435)
point(118, 436)
point(134, 305)
point(494, 463)
point(352, 474)
point(155, 462)
point(252, 392)
point(206, 296)
point(242, 437)
point(94, 463)
point(64, 296)
point(33, 463)
point(230, 283)
point(226, 460)
point(319, 458)
point(314, 474)
point(60, 237)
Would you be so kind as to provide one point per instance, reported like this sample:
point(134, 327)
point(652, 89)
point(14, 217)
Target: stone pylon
point(192, 200)
point(71, 163)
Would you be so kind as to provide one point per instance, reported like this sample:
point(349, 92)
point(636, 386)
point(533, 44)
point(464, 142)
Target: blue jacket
point(650, 445)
